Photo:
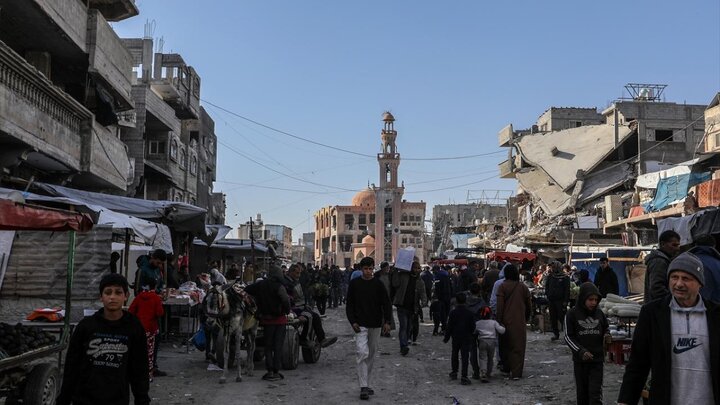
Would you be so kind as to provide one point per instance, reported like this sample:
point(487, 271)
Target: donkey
point(233, 311)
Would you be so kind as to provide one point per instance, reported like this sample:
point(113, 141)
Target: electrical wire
point(452, 187)
point(335, 147)
point(277, 171)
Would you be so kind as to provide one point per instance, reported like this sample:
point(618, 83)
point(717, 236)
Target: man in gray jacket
point(656, 283)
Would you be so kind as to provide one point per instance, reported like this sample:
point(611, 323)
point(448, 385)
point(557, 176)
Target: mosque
point(378, 221)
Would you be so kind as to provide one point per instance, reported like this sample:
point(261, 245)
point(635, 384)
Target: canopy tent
point(19, 216)
point(179, 216)
point(153, 234)
point(619, 258)
point(510, 256)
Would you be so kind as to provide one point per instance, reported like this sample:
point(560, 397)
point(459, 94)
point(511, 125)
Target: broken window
point(574, 124)
point(156, 147)
point(662, 135)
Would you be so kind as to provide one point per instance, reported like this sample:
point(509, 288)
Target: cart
point(292, 349)
point(33, 377)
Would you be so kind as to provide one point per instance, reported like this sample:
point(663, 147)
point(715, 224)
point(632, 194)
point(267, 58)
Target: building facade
point(280, 234)
point(378, 222)
point(65, 81)
point(448, 219)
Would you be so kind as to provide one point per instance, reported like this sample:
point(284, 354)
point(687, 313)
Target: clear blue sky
point(452, 73)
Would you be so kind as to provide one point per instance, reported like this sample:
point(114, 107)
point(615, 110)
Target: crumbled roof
point(581, 148)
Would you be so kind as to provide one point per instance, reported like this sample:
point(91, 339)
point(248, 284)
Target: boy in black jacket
point(461, 327)
point(585, 329)
point(107, 354)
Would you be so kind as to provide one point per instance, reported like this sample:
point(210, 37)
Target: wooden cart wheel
point(41, 386)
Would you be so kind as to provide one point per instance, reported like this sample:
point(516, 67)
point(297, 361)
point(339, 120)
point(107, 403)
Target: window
point(574, 124)
point(662, 135)
point(211, 146)
point(157, 147)
point(173, 150)
point(359, 238)
point(349, 221)
point(372, 218)
point(183, 159)
point(362, 219)
point(193, 165)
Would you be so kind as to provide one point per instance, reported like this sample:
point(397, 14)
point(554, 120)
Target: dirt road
point(419, 378)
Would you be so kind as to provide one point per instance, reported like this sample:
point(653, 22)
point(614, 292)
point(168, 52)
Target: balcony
point(36, 114)
point(115, 10)
point(507, 169)
point(178, 84)
point(110, 62)
point(104, 161)
point(505, 136)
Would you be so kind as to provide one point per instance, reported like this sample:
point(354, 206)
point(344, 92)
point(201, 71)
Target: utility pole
point(252, 242)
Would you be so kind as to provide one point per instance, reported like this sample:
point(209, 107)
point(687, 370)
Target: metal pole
point(127, 253)
point(68, 288)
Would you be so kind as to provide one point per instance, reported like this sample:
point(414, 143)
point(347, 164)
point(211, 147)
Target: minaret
point(388, 197)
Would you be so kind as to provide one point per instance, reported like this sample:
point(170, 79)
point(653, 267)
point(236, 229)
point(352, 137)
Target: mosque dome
point(368, 240)
point(365, 198)
point(387, 117)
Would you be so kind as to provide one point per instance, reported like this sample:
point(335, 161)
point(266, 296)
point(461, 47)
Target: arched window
point(193, 165)
point(174, 150)
point(183, 159)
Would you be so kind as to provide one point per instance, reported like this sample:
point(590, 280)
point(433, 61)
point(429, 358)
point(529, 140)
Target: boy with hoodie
point(461, 326)
point(107, 355)
point(585, 330)
point(147, 306)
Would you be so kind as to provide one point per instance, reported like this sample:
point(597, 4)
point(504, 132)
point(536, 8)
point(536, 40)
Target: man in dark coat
point(606, 279)
point(657, 265)
point(706, 252)
point(557, 290)
point(489, 279)
point(677, 339)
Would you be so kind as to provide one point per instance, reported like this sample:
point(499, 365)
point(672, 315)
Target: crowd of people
point(482, 311)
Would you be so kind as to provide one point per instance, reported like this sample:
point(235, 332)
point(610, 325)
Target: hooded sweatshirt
point(103, 360)
point(147, 307)
point(690, 375)
point(710, 258)
point(585, 329)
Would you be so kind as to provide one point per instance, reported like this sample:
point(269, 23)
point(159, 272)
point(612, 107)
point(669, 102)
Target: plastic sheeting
point(17, 217)
point(179, 216)
point(674, 189)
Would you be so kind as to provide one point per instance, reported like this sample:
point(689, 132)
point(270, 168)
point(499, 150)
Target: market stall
point(29, 368)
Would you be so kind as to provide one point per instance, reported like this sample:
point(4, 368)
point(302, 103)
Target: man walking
point(368, 304)
point(656, 283)
point(677, 339)
point(557, 290)
point(606, 279)
point(406, 289)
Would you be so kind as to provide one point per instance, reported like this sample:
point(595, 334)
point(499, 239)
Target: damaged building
point(573, 158)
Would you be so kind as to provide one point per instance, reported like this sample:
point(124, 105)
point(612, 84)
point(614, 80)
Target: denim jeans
point(404, 317)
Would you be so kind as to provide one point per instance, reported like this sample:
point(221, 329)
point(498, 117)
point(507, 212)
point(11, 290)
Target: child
point(147, 306)
point(461, 325)
point(107, 354)
point(486, 329)
point(585, 329)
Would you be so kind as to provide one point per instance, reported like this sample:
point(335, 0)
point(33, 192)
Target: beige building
point(378, 222)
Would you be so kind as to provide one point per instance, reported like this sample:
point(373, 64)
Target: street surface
point(419, 378)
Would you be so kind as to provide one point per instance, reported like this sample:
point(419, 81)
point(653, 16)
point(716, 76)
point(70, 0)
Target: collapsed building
point(576, 167)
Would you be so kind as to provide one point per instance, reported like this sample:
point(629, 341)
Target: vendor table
point(185, 305)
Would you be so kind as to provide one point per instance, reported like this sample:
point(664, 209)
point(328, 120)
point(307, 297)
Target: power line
point(277, 171)
point(451, 178)
point(284, 132)
point(337, 148)
point(282, 189)
point(452, 187)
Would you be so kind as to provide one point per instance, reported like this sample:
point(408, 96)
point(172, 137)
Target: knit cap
point(689, 263)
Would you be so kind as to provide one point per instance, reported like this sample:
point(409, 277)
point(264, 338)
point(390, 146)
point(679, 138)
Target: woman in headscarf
point(513, 309)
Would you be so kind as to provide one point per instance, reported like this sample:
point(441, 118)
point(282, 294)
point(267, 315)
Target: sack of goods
point(619, 306)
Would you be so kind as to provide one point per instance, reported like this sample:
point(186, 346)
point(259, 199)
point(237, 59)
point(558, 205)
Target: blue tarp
point(617, 258)
point(674, 188)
